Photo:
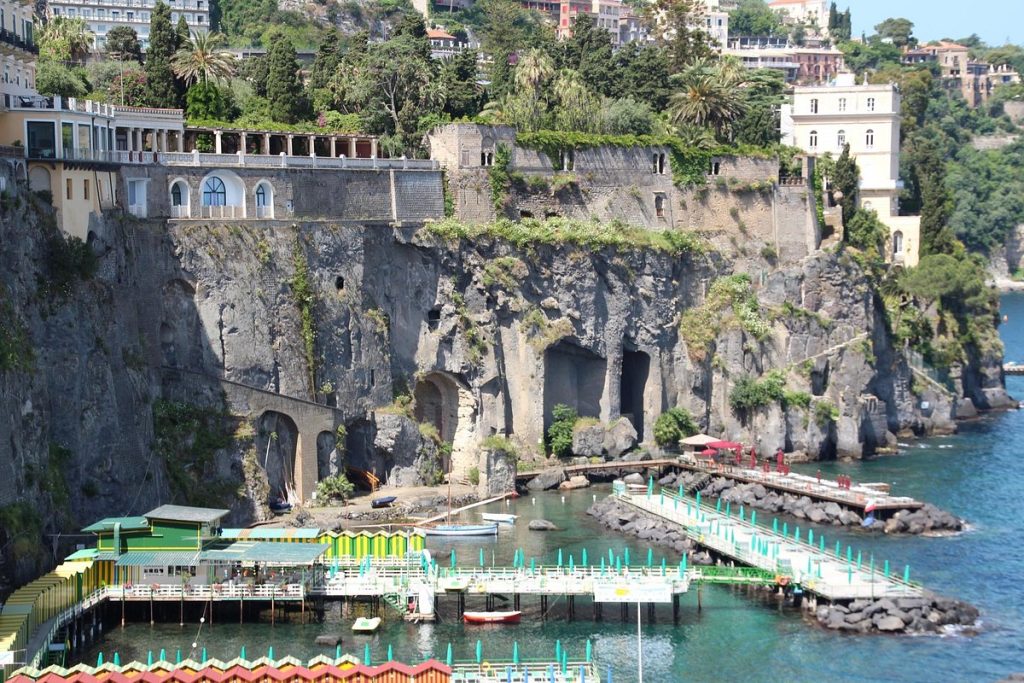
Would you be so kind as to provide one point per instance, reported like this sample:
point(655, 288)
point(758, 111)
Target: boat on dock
point(499, 517)
point(365, 625)
point(490, 529)
point(491, 617)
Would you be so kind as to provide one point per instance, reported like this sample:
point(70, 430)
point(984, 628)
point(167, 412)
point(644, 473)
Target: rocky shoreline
point(911, 615)
point(928, 519)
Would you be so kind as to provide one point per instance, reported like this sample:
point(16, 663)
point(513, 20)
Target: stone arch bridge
point(310, 419)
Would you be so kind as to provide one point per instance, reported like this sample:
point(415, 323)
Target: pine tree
point(833, 17)
point(284, 89)
point(325, 64)
point(162, 90)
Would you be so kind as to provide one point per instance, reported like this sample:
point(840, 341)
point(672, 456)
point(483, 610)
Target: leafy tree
point(128, 87)
point(284, 87)
point(589, 53)
point(559, 436)
point(673, 23)
point(867, 233)
point(325, 65)
point(502, 35)
point(642, 72)
point(123, 44)
point(755, 18)
point(988, 195)
point(255, 71)
point(202, 60)
point(898, 30)
point(206, 101)
point(626, 116)
point(575, 107)
point(161, 87)
point(462, 95)
point(65, 40)
point(53, 78)
point(872, 55)
point(672, 425)
point(762, 97)
point(846, 180)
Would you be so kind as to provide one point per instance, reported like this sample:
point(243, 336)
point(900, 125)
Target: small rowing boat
point(384, 502)
point(364, 625)
point(459, 530)
point(491, 617)
point(498, 517)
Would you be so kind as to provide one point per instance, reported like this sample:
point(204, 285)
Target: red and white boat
point(491, 617)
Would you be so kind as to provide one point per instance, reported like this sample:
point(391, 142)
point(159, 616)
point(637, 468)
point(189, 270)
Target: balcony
point(14, 40)
point(56, 103)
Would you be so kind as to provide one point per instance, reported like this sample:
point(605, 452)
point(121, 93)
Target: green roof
point(270, 532)
point(267, 552)
point(83, 554)
point(150, 558)
point(127, 524)
point(183, 513)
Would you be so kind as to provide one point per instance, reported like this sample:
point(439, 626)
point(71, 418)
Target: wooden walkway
point(816, 568)
point(614, 467)
point(855, 498)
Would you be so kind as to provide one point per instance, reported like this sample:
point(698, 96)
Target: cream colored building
point(104, 15)
point(17, 49)
point(813, 13)
point(823, 119)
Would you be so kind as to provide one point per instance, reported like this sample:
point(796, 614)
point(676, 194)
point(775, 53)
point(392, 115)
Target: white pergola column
point(181, 140)
point(351, 148)
point(266, 143)
point(312, 145)
point(373, 148)
point(241, 143)
point(290, 138)
point(334, 146)
point(217, 142)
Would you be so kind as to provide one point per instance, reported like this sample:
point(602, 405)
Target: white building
point(716, 22)
point(822, 119)
point(17, 49)
point(104, 15)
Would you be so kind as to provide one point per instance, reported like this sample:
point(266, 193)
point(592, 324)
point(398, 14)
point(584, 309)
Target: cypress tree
point(182, 32)
point(284, 89)
point(161, 86)
point(326, 63)
point(846, 179)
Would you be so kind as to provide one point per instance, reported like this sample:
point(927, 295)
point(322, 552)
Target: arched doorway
point(222, 195)
point(277, 440)
point(447, 404)
point(897, 244)
point(39, 179)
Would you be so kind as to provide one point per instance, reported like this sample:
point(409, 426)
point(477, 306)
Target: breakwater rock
point(924, 614)
point(628, 520)
point(928, 519)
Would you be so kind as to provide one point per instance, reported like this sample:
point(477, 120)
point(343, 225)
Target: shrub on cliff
point(559, 436)
point(749, 394)
point(672, 425)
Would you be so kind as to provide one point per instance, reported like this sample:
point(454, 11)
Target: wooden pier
point(856, 498)
point(616, 467)
point(1013, 368)
point(817, 568)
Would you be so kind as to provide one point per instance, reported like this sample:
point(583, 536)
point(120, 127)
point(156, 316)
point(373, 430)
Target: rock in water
point(890, 624)
point(547, 479)
point(575, 482)
point(330, 639)
point(542, 525)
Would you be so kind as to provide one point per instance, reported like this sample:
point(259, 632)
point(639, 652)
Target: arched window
point(812, 141)
point(869, 138)
point(814, 106)
point(261, 195)
point(214, 192)
point(897, 244)
point(871, 104)
point(841, 138)
point(178, 196)
point(264, 196)
point(842, 104)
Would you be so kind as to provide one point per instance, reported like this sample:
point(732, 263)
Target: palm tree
point(709, 98)
point(202, 60)
point(534, 69)
point(66, 39)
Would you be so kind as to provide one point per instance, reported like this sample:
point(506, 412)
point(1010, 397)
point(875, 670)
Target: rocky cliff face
point(469, 338)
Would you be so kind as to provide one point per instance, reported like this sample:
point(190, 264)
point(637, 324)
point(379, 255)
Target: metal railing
point(217, 591)
point(12, 38)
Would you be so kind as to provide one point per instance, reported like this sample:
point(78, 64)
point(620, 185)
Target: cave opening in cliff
point(277, 442)
point(573, 376)
point(444, 402)
point(636, 366)
point(329, 458)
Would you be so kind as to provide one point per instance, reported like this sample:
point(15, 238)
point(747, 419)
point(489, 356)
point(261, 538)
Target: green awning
point(142, 558)
point(83, 554)
point(265, 533)
point(279, 554)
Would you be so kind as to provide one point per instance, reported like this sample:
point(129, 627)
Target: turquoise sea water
point(978, 474)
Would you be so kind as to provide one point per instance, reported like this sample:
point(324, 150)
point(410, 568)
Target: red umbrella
point(725, 445)
point(708, 451)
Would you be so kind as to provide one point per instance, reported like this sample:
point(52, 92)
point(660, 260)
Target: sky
point(994, 20)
